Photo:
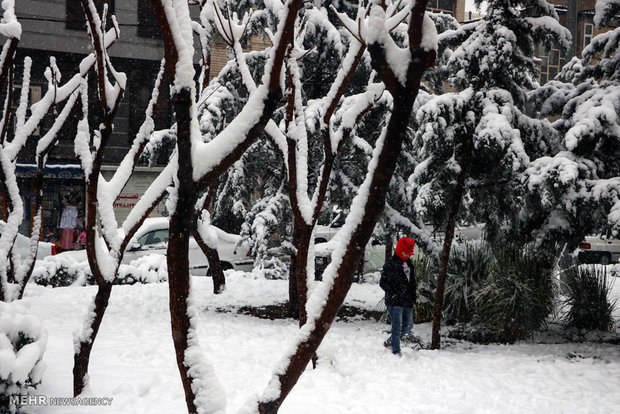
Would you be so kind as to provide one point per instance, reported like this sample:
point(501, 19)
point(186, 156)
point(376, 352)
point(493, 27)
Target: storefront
point(64, 198)
point(63, 191)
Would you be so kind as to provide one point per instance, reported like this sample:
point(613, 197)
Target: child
point(82, 239)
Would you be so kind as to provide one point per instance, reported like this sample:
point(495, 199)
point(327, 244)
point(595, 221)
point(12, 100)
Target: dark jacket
point(398, 291)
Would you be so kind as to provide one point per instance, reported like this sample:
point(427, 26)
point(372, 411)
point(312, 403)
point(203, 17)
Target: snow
point(9, 26)
point(133, 360)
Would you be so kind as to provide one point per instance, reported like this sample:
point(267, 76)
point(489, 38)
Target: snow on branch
point(605, 10)
point(209, 158)
point(9, 26)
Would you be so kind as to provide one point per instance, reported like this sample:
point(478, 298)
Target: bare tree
point(16, 273)
point(105, 251)
point(192, 176)
point(403, 84)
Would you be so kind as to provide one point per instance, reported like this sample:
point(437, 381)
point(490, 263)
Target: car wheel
point(605, 259)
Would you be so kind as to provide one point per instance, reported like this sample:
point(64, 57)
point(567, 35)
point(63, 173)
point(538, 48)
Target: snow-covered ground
point(133, 359)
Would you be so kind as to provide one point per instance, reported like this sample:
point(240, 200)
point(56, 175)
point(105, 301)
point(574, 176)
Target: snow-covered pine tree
point(575, 189)
point(474, 144)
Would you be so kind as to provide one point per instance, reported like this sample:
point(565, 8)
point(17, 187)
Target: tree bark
point(215, 266)
point(81, 357)
point(178, 243)
point(302, 244)
point(443, 263)
point(447, 245)
point(213, 257)
point(389, 247)
point(380, 180)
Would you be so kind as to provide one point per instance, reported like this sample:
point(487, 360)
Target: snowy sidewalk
point(133, 360)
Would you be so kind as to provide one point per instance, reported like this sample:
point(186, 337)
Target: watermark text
point(43, 400)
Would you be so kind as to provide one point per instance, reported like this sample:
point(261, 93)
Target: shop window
point(588, 32)
point(76, 20)
point(147, 22)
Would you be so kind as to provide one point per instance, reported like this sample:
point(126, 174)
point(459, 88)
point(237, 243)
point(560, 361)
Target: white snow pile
point(22, 345)
point(60, 271)
point(133, 362)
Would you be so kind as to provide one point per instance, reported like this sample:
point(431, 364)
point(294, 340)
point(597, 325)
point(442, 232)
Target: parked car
point(374, 257)
point(152, 238)
point(603, 248)
point(324, 233)
point(22, 245)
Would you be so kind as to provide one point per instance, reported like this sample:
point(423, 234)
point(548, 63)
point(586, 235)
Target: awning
point(64, 171)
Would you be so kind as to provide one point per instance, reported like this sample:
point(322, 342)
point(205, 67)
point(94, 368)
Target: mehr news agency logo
point(43, 400)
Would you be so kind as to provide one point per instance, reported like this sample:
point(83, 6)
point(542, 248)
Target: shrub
point(62, 271)
point(586, 296)
point(518, 295)
point(425, 273)
point(22, 344)
point(273, 269)
point(468, 270)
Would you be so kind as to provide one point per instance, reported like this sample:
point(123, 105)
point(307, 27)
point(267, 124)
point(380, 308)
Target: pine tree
point(474, 144)
point(575, 189)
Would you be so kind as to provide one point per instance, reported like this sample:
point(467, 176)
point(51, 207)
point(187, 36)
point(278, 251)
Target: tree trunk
point(302, 244)
point(81, 357)
point(447, 245)
point(215, 266)
point(216, 269)
point(389, 247)
point(380, 180)
point(293, 296)
point(178, 243)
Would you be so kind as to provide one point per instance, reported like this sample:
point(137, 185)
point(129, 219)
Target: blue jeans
point(402, 324)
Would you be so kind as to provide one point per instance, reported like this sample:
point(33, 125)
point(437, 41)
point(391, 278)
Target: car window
point(154, 237)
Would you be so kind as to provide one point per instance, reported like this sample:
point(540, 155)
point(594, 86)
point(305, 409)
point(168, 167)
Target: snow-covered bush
point(272, 268)
point(146, 269)
point(22, 344)
point(587, 298)
point(518, 296)
point(58, 272)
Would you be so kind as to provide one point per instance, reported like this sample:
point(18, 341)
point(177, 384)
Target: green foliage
point(497, 294)
point(587, 293)
point(425, 273)
point(468, 270)
point(519, 294)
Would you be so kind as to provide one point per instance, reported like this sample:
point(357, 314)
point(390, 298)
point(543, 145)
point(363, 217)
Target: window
point(551, 62)
point(154, 239)
point(76, 20)
point(588, 32)
point(444, 6)
point(147, 22)
point(34, 96)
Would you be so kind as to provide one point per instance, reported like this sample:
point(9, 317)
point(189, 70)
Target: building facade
point(58, 28)
point(578, 17)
